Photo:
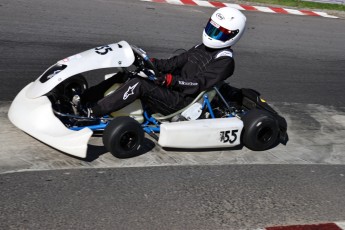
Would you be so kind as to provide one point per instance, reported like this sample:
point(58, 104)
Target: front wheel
point(123, 137)
point(261, 130)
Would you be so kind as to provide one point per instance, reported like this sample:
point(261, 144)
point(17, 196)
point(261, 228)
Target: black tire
point(261, 130)
point(123, 137)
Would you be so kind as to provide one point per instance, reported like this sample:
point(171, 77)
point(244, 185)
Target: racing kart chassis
point(213, 120)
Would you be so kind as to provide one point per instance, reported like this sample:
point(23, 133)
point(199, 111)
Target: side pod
point(204, 133)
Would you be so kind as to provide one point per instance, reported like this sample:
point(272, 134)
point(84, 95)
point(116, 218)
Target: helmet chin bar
point(213, 43)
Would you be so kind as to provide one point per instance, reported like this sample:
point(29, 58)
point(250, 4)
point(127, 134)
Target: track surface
point(202, 197)
point(298, 63)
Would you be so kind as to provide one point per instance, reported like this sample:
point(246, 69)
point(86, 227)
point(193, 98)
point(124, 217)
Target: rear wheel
point(261, 130)
point(123, 137)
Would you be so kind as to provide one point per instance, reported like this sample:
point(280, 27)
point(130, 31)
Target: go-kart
point(220, 117)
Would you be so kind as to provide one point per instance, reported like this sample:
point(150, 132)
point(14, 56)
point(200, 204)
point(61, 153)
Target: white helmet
point(224, 28)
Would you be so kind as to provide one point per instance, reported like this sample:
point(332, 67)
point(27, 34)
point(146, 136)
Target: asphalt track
point(297, 63)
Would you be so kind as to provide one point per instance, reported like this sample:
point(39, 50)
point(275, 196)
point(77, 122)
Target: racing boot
point(86, 118)
point(76, 105)
point(80, 109)
point(76, 100)
point(88, 113)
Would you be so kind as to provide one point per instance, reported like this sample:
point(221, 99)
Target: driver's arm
point(171, 64)
point(218, 70)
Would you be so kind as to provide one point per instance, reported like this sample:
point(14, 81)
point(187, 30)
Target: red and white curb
point(277, 10)
point(324, 226)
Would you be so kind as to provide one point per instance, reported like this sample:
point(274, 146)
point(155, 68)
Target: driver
point(181, 78)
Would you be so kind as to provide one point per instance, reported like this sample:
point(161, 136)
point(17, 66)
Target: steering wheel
point(144, 60)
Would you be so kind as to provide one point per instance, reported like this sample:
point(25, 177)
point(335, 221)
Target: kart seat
point(199, 99)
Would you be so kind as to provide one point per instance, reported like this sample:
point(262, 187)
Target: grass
point(303, 4)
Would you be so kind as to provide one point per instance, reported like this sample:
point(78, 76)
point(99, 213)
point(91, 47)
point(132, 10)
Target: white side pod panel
point(205, 133)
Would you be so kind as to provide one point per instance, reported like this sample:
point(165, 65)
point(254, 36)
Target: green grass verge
point(302, 4)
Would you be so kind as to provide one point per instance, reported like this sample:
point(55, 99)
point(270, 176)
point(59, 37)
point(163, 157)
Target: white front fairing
point(204, 133)
point(114, 55)
point(35, 117)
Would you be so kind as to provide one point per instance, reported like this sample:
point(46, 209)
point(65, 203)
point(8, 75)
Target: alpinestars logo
point(130, 91)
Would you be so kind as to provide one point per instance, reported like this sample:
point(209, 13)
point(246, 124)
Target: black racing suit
point(193, 71)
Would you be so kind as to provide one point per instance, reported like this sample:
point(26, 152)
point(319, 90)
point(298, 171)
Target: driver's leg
point(126, 94)
point(96, 92)
point(160, 99)
point(157, 98)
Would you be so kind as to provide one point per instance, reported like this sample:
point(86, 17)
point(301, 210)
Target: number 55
point(232, 138)
point(102, 50)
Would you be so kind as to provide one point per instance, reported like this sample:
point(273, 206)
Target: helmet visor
point(217, 32)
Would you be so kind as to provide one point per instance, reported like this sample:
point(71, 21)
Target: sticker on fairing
point(71, 58)
point(103, 50)
point(228, 136)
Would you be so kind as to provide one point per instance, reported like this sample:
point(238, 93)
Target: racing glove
point(164, 80)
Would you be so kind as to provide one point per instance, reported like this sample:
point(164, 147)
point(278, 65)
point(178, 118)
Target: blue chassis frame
point(151, 125)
